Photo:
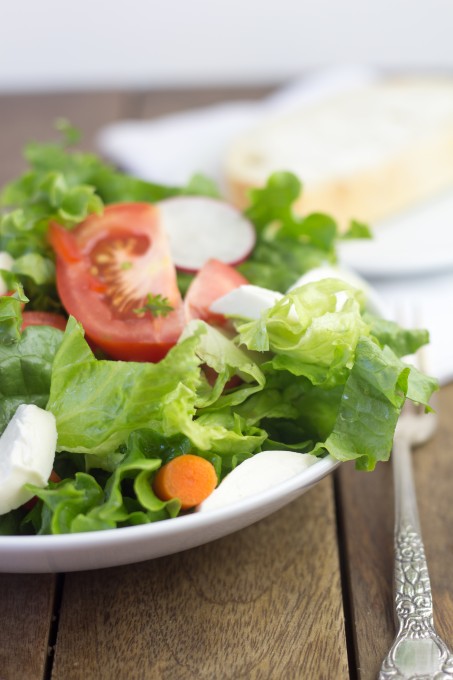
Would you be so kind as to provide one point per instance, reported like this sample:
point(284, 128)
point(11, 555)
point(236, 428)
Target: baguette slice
point(365, 154)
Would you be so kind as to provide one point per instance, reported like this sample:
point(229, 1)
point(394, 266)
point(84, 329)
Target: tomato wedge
point(43, 319)
point(109, 269)
point(214, 280)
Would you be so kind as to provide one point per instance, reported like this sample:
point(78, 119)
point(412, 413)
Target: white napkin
point(171, 149)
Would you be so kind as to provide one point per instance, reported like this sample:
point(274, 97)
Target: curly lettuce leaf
point(288, 244)
point(66, 186)
point(64, 502)
point(312, 331)
point(357, 230)
point(96, 501)
point(276, 263)
point(402, 341)
point(227, 360)
point(339, 373)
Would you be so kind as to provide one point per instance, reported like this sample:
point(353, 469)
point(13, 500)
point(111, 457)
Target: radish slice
point(201, 228)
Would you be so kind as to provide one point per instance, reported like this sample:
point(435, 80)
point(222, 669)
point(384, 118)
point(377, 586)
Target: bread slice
point(364, 154)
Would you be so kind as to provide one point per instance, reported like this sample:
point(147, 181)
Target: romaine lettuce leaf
point(98, 403)
point(336, 371)
point(370, 405)
point(25, 360)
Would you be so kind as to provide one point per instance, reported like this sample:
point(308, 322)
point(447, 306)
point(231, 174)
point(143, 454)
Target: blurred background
point(53, 45)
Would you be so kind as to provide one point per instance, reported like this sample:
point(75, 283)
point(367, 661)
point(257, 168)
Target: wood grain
point(25, 618)
point(25, 118)
point(160, 102)
point(27, 600)
point(263, 603)
point(367, 505)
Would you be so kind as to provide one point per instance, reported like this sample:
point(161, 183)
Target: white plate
point(94, 550)
point(419, 241)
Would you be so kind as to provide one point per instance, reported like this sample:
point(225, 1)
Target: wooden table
point(305, 594)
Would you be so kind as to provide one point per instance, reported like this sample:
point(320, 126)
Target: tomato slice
point(214, 280)
point(107, 267)
point(43, 319)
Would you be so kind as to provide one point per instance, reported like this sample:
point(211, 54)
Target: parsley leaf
point(156, 304)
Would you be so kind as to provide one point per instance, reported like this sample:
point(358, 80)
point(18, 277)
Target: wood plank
point(162, 101)
point(27, 603)
point(263, 603)
point(27, 600)
point(267, 600)
point(25, 118)
point(367, 502)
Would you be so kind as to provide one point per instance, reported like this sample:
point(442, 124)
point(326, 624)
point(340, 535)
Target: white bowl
point(94, 550)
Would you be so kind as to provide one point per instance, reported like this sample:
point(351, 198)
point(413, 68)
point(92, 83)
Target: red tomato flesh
point(214, 280)
point(43, 319)
point(106, 268)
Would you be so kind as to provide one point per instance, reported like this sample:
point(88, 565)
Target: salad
point(138, 368)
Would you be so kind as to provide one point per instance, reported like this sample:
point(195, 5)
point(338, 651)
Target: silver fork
point(417, 651)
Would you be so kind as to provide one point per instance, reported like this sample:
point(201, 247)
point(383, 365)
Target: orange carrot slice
point(189, 478)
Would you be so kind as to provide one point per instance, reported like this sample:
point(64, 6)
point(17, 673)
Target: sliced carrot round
point(189, 478)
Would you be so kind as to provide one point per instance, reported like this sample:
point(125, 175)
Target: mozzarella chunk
point(6, 262)
point(27, 452)
point(258, 473)
point(246, 302)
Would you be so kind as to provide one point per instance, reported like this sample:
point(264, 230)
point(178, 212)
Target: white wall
point(49, 44)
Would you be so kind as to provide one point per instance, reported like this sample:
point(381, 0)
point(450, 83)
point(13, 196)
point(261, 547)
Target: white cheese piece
point(258, 473)
point(246, 302)
point(6, 262)
point(27, 452)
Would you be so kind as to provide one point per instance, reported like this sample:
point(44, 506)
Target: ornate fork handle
point(417, 651)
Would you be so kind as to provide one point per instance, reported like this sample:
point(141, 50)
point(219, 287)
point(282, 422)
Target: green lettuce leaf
point(65, 186)
point(313, 331)
point(98, 403)
point(64, 502)
point(227, 360)
point(401, 340)
point(357, 420)
point(25, 360)
point(357, 230)
point(89, 502)
point(338, 373)
point(288, 245)
point(370, 405)
point(41, 270)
